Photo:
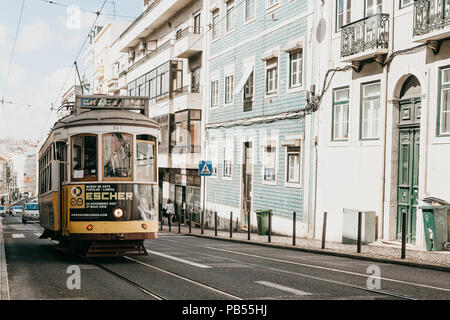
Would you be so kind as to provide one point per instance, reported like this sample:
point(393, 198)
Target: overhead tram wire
point(73, 65)
point(5, 87)
point(87, 11)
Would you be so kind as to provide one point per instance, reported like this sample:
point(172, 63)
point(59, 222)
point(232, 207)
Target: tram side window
point(146, 158)
point(84, 157)
point(117, 155)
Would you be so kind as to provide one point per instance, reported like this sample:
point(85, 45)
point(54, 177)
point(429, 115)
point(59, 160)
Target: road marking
point(283, 288)
point(18, 235)
point(316, 267)
point(185, 279)
point(179, 259)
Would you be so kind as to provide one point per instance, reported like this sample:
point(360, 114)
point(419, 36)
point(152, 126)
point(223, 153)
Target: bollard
point(190, 221)
point(270, 226)
point(324, 229)
point(404, 226)
point(215, 223)
point(237, 225)
point(231, 224)
point(179, 221)
point(170, 222)
point(358, 250)
point(294, 228)
point(162, 222)
point(202, 227)
point(248, 226)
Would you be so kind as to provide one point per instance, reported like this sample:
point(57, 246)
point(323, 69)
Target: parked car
point(2, 211)
point(16, 210)
point(30, 212)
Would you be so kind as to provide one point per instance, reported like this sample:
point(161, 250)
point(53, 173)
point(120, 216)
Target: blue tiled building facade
point(255, 125)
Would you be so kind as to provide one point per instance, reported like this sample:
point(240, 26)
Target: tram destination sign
point(111, 102)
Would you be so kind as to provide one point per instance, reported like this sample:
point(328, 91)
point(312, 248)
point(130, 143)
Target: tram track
point(366, 289)
point(152, 292)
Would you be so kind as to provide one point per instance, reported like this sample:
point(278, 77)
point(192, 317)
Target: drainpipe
point(384, 153)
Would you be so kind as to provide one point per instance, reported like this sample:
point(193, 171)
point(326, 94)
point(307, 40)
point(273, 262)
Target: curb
point(332, 253)
point(4, 292)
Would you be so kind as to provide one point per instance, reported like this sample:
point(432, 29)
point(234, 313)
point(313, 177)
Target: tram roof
point(105, 117)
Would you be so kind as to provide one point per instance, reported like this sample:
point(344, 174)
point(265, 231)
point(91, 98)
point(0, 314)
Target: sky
point(49, 38)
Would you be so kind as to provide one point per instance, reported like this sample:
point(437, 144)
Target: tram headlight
point(118, 213)
point(90, 227)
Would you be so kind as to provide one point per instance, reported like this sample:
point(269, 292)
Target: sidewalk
point(4, 288)
point(378, 251)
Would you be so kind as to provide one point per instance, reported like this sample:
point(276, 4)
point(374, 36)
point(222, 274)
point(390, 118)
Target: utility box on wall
point(350, 226)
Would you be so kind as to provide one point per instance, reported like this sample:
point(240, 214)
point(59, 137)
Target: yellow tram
point(98, 177)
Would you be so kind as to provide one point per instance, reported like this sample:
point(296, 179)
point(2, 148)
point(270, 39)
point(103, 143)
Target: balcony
point(431, 20)
point(365, 39)
point(123, 80)
point(99, 71)
point(188, 42)
point(166, 45)
point(187, 97)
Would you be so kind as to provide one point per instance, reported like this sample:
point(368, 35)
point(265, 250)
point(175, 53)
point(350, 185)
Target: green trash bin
point(436, 227)
point(262, 217)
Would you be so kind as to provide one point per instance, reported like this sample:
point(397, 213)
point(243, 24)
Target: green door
point(408, 181)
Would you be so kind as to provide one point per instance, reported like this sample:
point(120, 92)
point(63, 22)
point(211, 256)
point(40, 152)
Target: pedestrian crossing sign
point(205, 168)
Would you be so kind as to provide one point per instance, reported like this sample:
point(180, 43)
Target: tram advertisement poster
point(96, 202)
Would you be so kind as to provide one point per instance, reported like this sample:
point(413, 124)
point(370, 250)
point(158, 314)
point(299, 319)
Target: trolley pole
point(403, 235)
point(294, 228)
point(324, 229)
point(231, 224)
point(215, 223)
point(358, 250)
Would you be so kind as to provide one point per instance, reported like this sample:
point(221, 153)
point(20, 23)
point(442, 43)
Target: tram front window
point(117, 155)
point(84, 157)
point(146, 160)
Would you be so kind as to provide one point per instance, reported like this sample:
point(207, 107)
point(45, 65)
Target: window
point(370, 111)
point(231, 16)
point(270, 157)
point(229, 89)
point(340, 114)
point(117, 156)
point(444, 107)
point(271, 3)
point(248, 94)
point(295, 69)
point(271, 76)
point(214, 94)
point(146, 158)
point(215, 24)
point(344, 9)
point(405, 3)
point(373, 7)
point(188, 131)
point(213, 156)
point(249, 9)
point(84, 157)
point(228, 160)
point(293, 165)
point(197, 25)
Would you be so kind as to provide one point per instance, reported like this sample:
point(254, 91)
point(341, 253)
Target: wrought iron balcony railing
point(365, 34)
point(430, 15)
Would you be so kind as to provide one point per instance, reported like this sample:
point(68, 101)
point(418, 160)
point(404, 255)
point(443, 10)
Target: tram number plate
point(117, 128)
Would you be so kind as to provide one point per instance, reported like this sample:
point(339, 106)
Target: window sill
point(225, 178)
point(269, 183)
point(215, 40)
point(230, 31)
point(296, 89)
point(249, 20)
point(293, 185)
point(271, 95)
point(273, 8)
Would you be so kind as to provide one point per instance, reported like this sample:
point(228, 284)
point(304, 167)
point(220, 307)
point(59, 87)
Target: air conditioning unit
point(142, 46)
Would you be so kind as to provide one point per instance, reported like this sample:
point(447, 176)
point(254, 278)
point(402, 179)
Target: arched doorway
point(408, 156)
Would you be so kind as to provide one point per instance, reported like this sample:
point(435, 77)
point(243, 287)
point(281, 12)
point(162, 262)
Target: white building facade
point(383, 123)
